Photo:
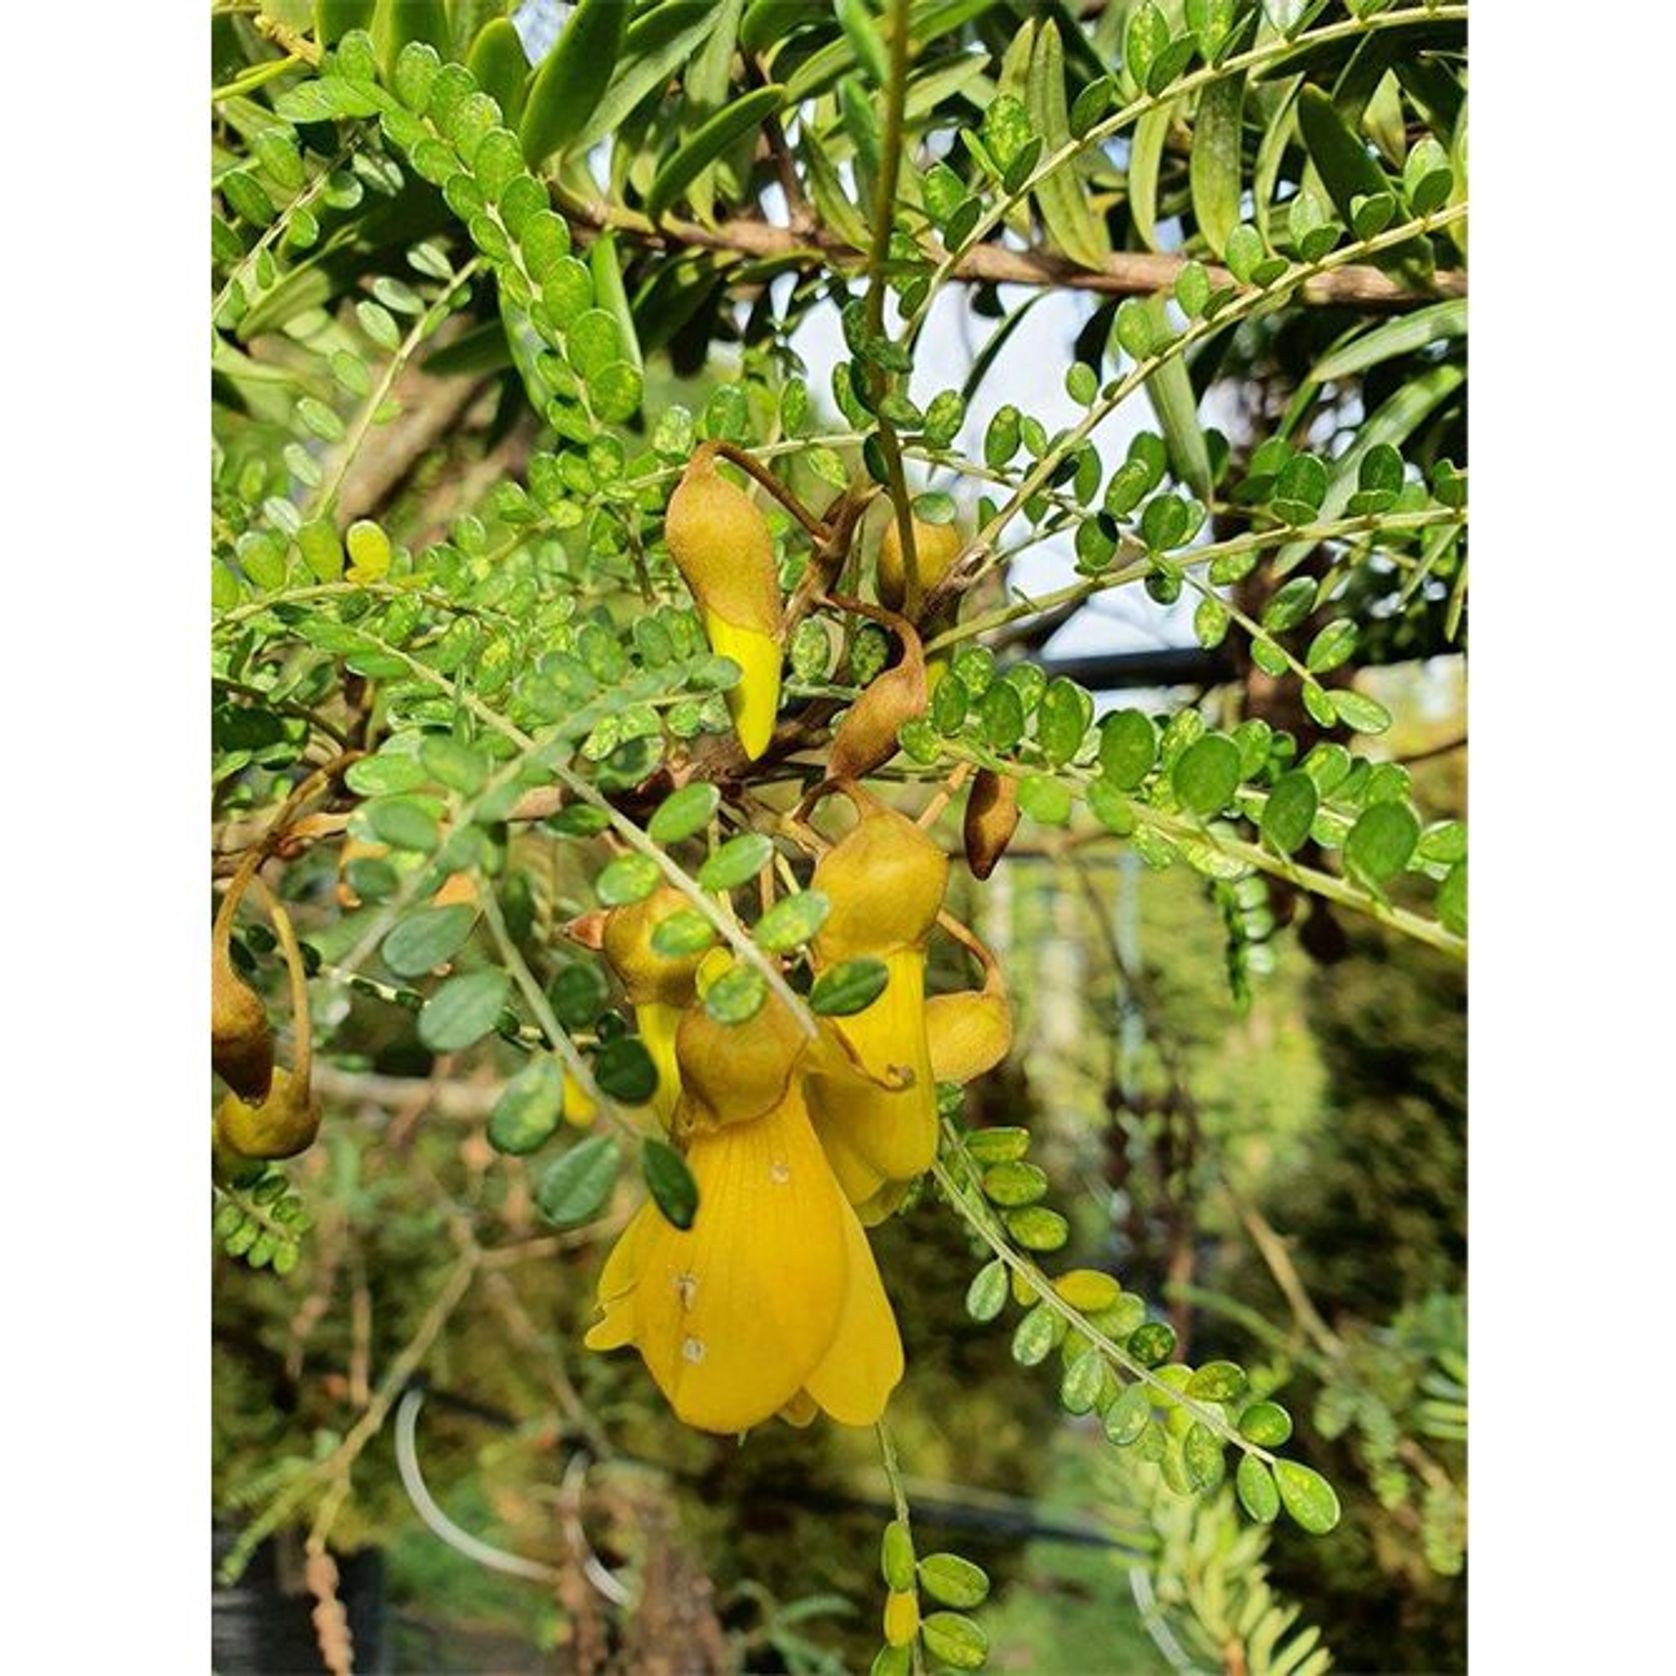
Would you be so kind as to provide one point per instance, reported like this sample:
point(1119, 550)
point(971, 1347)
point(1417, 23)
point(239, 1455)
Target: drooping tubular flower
point(771, 1302)
point(658, 986)
point(873, 1093)
point(721, 544)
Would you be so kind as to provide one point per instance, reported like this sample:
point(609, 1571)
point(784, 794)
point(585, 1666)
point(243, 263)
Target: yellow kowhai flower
point(656, 985)
point(771, 1302)
point(872, 1092)
point(721, 545)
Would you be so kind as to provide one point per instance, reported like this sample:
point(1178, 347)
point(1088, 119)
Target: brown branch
point(1126, 273)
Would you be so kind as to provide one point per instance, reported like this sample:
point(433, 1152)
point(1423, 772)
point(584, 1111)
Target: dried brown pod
point(280, 1126)
point(936, 547)
point(241, 1039)
point(991, 820)
point(867, 736)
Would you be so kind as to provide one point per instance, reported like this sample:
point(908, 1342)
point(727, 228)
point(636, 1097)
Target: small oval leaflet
point(953, 1581)
point(578, 994)
point(1201, 1454)
point(1127, 1418)
point(464, 1010)
point(986, 1297)
point(528, 1110)
point(896, 1557)
point(792, 921)
point(1128, 748)
point(849, 987)
point(1014, 1184)
point(624, 1070)
point(1080, 1388)
point(630, 878)
point(1267, 1424)
point(1257, 1492)
point(1152, 1344)
point(737, 996)
point(737, 862)
point(1307, 1496)
point(998, 1145)
point(1207, 773)
point(1035, 1336)
point(682, 933)
point(427, 939)
point(1290, 811)
point(957, 1641)
point(684, 812)
point(576, 1184)
point(1037, 1228)
point(1381, 842)
point(1217, 1382)
point(670, 1182)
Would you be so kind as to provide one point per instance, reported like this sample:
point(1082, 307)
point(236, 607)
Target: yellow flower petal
point(755, 702)
point(734, 1315)
point(968, 1033)
point(657, 1021)
point(872, 1134)
point(857, 1375)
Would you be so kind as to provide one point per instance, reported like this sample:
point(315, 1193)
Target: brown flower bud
point(991, 820)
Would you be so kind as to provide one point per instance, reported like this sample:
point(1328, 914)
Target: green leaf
point(1452, 899)
point(1381, 842)
point(1037, 1332)
point(529, 1108)
point(1128, 747)
point(682, 933)
point(624, 1070)
point(1266, 1423)
point(404, 823)
point(987, 1296)
point(396, 22)
point(1289, 812)
point(1217, 1382)
point(578, 994)
point(737, 995)
point(1405, 335)
point(956, 1641)
point(998, 1145)
point(1045, 799)
point(713, 137)
point(1170, 390)
point(1201, 1456)
point(1257, 1492)
point(1014, 1183)
point(792, 921)
point(952, 1580)
point(464, 1010)
point(630, 878)
point(1001, 716)
point(1127, 1418)
point(737, 862)
point(572, 78)
point(427, 938)
point(684, 813)
point(849, 987)
point(1146, 153)
point(1037, 1228)
point(1214, 161)
point(1207, 774)
point(1356, 710)
point(670, 1182)
point(1062, 719)
point(498, 66)
point(1079, 1389)
point(1307, 1496)
point(1072, 222)
point(1333, 645)
point(1152, 1344)
point(576, 1185)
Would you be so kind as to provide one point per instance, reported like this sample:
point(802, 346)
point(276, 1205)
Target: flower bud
point(731, 1073)
point(936, 547)
point(968, 1033)
point(645, 974)
point(885, 880)
point(721, 545)
point(991, 820)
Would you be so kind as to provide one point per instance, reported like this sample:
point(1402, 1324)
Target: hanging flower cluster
point(771, 1302)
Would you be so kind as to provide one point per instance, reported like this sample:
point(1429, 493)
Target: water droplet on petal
point(692, 1350)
